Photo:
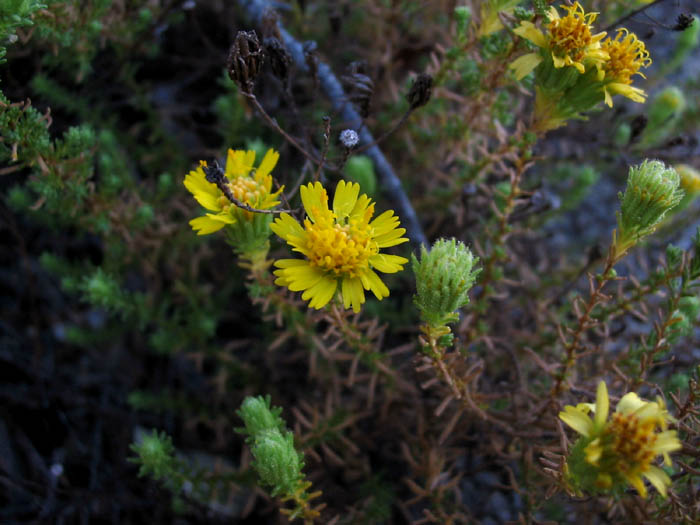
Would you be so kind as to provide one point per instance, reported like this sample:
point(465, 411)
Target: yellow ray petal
point(529, 31)
point(321, 293)
point(205, 225)
point(387, 263)
point(658, 478)
point(629, 403)
point(267, 165)
point(524, 65)
point(372, 282)
point(286, 226)
point(206, 193)
point(345, 197)
point(314, 198)
point(577, 420)
point(391, 238)
point(602, 405)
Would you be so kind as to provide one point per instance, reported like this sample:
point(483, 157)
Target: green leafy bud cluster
point(685, 317)
point(277, 461)
point(444, 276)
point(156, 455)
point(664, 114)
point(13, 15)
point(652, 190)
point(463, 15)
point(101, 289)
point(259, 417)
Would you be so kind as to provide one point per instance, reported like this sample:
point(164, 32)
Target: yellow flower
point(690, 178)
point(627, 55)
point(249, 185)
point(341, 246)
point(624, 447)
point(568, 39)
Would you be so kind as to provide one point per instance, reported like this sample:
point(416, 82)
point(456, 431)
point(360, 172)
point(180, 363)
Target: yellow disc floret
point(343, 249)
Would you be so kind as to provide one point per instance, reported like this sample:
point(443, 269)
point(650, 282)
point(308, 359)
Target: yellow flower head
point(627, 55)
point(623, 447)
point(568, 39)
point(690, 178)
point(247, 184)
point(571, 39)
point(341, 246)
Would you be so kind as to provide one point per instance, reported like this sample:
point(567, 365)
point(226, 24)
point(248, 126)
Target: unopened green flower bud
point(259, 417)
point(664, 112)
point(463, 15)
point(155, 453)
point(686, 315)
point(444, 276)
point(652, 190)
point(277, 461)
point(101, 289)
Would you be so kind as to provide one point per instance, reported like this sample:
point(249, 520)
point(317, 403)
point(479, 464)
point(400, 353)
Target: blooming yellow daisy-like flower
point(341, 246)
point(569, 39)
point(623, 448)
point(627, 55)
point(247, 184)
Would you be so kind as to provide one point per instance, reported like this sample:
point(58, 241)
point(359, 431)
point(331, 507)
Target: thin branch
point(630, 15)
point(390, 183)
point(326, 142)
point(215, 175)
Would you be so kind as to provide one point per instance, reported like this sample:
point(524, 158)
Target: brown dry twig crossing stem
point(389, 181)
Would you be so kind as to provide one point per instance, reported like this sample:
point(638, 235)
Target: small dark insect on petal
point(214, 173)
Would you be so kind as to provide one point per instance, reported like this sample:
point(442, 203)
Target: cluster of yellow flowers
point(341, 245)
point(620, 450)
point(577, 68)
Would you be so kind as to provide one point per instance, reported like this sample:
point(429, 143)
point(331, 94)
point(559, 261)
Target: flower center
point(632, 442)
point(627, 56)
point(571, 35)
point(246, 190)
point(342, 248)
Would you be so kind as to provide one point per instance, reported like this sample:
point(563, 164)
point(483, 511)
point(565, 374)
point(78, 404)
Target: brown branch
point(215, 175)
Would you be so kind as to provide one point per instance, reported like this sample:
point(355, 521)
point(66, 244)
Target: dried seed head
point(360, 87)
point(245, 60)
point(420, 91)
point(280, 59)
point(349, 138)
point(270, 24)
